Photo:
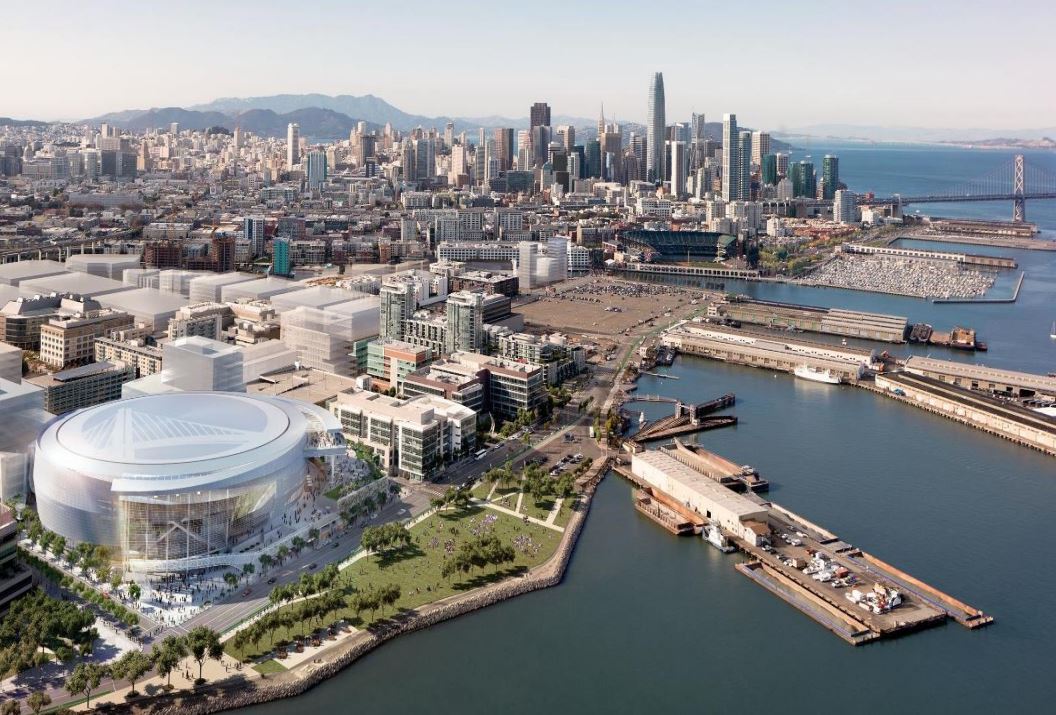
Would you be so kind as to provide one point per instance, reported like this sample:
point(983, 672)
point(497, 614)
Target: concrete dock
point(851, 593)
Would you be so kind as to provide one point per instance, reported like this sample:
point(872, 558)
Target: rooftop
point(172, 428)
point(697, 482)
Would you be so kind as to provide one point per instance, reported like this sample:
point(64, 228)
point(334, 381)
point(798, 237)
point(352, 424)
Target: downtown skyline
point(186, 58)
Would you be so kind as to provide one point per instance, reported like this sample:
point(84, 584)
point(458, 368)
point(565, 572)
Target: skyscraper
point(760, 147)
point(253, 231)
point(657, 123)
point(844, 206)
point(293, 145)
point(505, 151)
point(316, 170)
point(745, 166)
point(768, 168)
point(698, 136)
point(731, 159)
point(679, 168)
point(540, 115)
point(280, 257)
point(830, 173)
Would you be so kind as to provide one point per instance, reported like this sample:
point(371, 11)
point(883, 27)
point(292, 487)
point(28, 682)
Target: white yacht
point(808, 373)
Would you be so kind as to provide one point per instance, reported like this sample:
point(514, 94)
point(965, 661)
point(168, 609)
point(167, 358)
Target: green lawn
point(566, 512)
point(417, 568)
point(539, 510)
point(481, 490)
point(269, 666)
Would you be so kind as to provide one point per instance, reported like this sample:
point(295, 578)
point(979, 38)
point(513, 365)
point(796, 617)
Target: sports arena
point(180, 480)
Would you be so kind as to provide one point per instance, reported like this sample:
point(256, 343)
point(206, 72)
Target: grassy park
point(413, 572)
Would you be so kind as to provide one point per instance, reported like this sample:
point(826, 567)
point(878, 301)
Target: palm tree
point(282, 553)
point(266, 560)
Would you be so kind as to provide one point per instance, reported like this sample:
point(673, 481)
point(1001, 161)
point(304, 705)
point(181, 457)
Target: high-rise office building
point(804, 180)
point(698, 136)
point(281, 265)
point(253, 231)
point(679, 153)
point(760, 147)
point(830, 174)
point(655, 130)
point(845, 206)
point(745, 166)
point(316, 170)
point(540, 115)
point(505, 150)
point(465, 322)
point(732, 188)
point(768, 169)
point(782, 164)
point(293, 145)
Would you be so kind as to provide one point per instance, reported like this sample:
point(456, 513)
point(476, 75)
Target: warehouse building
point(728, 509)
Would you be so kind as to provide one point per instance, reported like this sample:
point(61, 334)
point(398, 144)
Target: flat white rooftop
point(75, 282)
point(13, 273)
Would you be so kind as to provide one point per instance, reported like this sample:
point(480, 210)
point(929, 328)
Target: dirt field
point(580, 306)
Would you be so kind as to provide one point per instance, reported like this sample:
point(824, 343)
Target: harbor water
point(646, 622)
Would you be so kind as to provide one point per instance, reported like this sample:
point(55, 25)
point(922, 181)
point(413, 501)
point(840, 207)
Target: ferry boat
point(808, 373)
point(713, 536)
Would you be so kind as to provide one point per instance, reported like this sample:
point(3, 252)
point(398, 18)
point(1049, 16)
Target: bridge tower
point(1019, 203)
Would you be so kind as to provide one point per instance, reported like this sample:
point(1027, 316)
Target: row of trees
point(306, 586)
point(315, 611)
point(200, 644)
point(480, 553)
point(37, 623)
point(94, 559)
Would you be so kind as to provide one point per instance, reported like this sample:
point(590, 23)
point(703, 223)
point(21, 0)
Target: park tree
point(11, 707)
point(204, 643)
point(84, 679)
point(37, 701)
point(167, 657)
point(131, 666)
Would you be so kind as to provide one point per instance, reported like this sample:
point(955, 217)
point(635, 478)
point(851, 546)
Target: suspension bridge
point(1014, 181)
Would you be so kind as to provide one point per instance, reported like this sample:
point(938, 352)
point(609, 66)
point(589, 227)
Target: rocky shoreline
point(227, 695)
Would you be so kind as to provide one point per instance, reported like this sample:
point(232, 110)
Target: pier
point(855, 595)
point(773, 351)
point(688, 418)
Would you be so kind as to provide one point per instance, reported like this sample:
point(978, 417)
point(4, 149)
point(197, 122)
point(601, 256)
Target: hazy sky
point(944, 63)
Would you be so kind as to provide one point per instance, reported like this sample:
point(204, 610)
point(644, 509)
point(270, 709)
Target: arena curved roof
point(173, 428)
point(178, 441)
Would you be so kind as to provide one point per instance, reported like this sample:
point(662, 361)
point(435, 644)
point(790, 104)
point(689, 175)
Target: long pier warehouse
point(771, 351)
point(979, 377)
point(998, 417)
point(829, 321)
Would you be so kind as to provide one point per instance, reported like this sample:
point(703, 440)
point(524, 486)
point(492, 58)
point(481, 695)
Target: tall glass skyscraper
point(734, 187)
point(830, 172)
point(656, 130)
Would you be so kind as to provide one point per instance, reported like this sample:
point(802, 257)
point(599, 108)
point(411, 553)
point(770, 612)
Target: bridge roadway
point(955, 198)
